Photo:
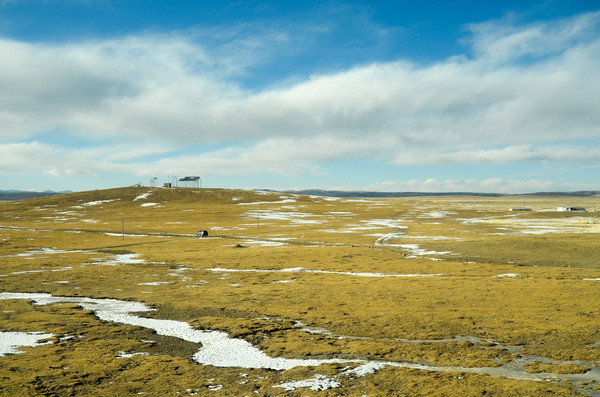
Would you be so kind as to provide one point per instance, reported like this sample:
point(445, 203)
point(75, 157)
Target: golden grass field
point(415, 296)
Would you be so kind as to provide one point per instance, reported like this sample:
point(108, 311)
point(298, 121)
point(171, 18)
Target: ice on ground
point(127, 355)
point(303, 270)
point(142, 196)
point(11, 341)
point(91, 203)
point(436, 214)
point(415, 251)
point(270, 202)
point(316, 383)
point(148, 204)
point(379, 223)
point(132, 235)
point(512, 275)
point(61, 269)
point(42, 251)
point(217, 348)
point(263, 243)
point(540, 226)
point(365, 369)
point(291, 216)
point(120, 259)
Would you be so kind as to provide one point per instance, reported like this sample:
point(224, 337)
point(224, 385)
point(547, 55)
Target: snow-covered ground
point(303, 270)
point(98, 202)
point(119, 260)
point(11, 341)
point(143, 196)
point(217, 349)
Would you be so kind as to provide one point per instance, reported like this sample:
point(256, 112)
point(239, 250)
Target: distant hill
point(10, 195)
point(338, 193)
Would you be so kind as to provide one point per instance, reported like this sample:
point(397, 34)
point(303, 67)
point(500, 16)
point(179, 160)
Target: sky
point(397, 95)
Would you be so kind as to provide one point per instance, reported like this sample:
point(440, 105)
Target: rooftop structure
point(190, 181)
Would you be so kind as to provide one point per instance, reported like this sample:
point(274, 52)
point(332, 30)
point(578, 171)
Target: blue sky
point(429, 96)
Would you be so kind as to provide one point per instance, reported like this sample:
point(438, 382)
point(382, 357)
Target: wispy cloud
point(527, 93)
point(495, 185)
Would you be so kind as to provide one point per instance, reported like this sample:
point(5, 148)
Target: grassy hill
point(412, 295)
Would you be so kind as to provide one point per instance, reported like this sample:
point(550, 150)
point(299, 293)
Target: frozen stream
point(218, 349)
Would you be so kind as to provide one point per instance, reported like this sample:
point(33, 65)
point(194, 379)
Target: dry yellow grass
point(303, 277)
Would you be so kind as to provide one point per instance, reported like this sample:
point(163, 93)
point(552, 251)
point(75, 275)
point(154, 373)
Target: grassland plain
point(405, 296)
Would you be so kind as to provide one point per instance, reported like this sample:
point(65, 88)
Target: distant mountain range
point(9, 195)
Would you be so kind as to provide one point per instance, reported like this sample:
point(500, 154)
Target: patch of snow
point(132, 235)
point(155, 283)
point(11, 341)
point(148, 204)
point(42, 251)
point(142, 196)
point(365, 369)
point(316, 383)
point(270, 202)
point(127, 355)
point(415, 251)
point(511, 275)
point(437, 214)
point(302, 270)
point(91, 203)
point(592, 279)
point(292, 216)
point(379, 223)
point(217, 348)
point(62, 269)
point(121, 259)
point(263, 243)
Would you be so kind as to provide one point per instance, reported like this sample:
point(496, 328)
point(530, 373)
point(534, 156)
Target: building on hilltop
point(190, 181)
point(572, 209)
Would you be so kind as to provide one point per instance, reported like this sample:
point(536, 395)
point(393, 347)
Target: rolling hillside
point(110, 292)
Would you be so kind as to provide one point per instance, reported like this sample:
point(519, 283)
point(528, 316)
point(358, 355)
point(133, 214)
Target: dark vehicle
point(202, 233)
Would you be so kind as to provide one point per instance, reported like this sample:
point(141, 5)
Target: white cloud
point(529, 94)
point(510, 154)
point(490, 185)
point(502, 41)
